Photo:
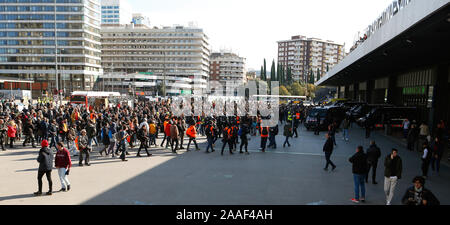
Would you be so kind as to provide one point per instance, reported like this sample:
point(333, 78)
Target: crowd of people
point(70, 131)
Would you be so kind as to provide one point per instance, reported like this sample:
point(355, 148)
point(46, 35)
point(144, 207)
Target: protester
point(45, 160)
point(63, 163)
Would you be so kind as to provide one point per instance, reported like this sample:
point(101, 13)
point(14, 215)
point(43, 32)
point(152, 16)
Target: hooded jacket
point(45, 159)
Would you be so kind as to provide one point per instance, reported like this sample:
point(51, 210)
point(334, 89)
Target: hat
point(44, 143)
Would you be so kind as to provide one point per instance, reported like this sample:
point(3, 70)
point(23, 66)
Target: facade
point(140, 19)
point(304, 55)
point(228, 67)
point(116, 12)
point(404, 62)
point(179, 55)
point(28, 43)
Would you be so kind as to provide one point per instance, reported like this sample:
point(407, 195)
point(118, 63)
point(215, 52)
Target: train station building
point(403, 59)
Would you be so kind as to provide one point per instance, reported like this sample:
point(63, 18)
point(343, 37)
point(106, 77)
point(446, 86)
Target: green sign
point(186, 92)
point(146, 73)
point(421, 90)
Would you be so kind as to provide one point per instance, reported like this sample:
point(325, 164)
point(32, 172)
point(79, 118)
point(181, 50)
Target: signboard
point(186, 92)
point(146, 73)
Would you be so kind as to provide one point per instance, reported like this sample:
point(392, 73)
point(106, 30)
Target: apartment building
point(304, 55)
point(116, 12)
point(30, 50)
point(177, 55)
point(228, 67)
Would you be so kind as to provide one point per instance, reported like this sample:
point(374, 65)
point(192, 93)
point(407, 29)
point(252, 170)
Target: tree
point(311, 77)
point(261, 73)
point(279, 77)
point(328, 69)
point(284, 91)
point(289, 76)
point(298, 90)
point(272, 71)
point(263, 77)
point(318, 74)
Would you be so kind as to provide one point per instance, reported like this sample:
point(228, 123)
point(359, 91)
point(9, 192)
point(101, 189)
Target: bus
point(91, 98)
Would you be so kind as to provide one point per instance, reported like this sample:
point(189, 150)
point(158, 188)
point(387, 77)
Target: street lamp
point(164, 74)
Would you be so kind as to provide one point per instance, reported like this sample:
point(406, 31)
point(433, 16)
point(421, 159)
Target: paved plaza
point(292, 176)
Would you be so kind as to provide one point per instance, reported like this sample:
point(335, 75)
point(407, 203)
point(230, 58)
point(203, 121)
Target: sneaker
point(37, 193)
point(355, 200)
point(62, 190)
point(363, 200)
point(49, 193)
point(388, 203)
point(334, 167)
point(326, 169)
point(68, 187)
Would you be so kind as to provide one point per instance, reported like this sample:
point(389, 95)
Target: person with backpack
point(63, 164)
point(226, 138)
point(105, 138)
point(287, 133)
point(264, 136)
point(143, 138)
point(359, 170)
point(273, 132)
point(45, 160)
point(191, 132)
point(243, 132)
point(373, 154)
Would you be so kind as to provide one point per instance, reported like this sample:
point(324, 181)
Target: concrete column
point(440, 107)
point(394, 93)
point(356, 91)
point(346, 92)
point(339, 92)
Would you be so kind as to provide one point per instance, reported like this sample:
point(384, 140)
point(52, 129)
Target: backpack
point(240, 132)
point(264, 131)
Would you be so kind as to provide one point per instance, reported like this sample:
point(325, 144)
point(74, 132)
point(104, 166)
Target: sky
point(251, 28)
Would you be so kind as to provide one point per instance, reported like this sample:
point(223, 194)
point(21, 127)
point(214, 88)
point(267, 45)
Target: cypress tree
point(272, 71)
point(318, 74)
point(264, 77)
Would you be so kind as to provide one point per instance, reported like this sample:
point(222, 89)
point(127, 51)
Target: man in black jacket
point(28, 131)
point(392, 173)
point(45, 160)
point(419, 195)
point(328, 149)
point(359, 169)
point(373, 154)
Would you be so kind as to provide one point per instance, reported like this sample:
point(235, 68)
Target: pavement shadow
point(16, 197)
point(19, 152)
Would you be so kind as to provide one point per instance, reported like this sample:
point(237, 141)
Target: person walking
point(210, 136)
point(406, 126)
point(419, 195)
point(226, 139)
point(392, 173)
point(264, 136)
point(191, 132)
point(328, 149)
point(426, 158)
point(122, 138)
point(105, 139)
point(373, 154)
point(243, 132)
point(345, 127)
point(63, 163)
point(71, 136)
point(143, 138)
point(413, 136)
point(273, 132)
point(359, 170)
point(437, 149)
point(174, 135)
point(287, 133)
point(83, 148)
point(45, 160)
point(153, 132)
point(28, 131)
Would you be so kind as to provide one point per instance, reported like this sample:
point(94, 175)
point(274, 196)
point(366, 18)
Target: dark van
point(392, 117)
point(327, 114)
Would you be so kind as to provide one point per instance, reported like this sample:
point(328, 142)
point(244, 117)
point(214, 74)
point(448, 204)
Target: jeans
point(244, 143)
point(345, 133)
point(436, 163)
point(272, 142)
point(189, 143)
point(111, 148)
point(73, 148)
point(86, 160)
point(63, 177)
point(389, 186)
point(359, 184)
point(53, 142)
point(49, 179)
point(286, 141)
point(425, 166)
point(210, 143)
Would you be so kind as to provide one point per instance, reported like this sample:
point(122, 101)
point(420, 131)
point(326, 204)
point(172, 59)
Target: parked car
point(361, 110)
point(327, 115)
point(389, 116)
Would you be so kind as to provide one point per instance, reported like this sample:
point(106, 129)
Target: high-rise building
point(227, 67)
point(29, 48)
point(179, 55)
point(116, 12)
point(305, 55)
